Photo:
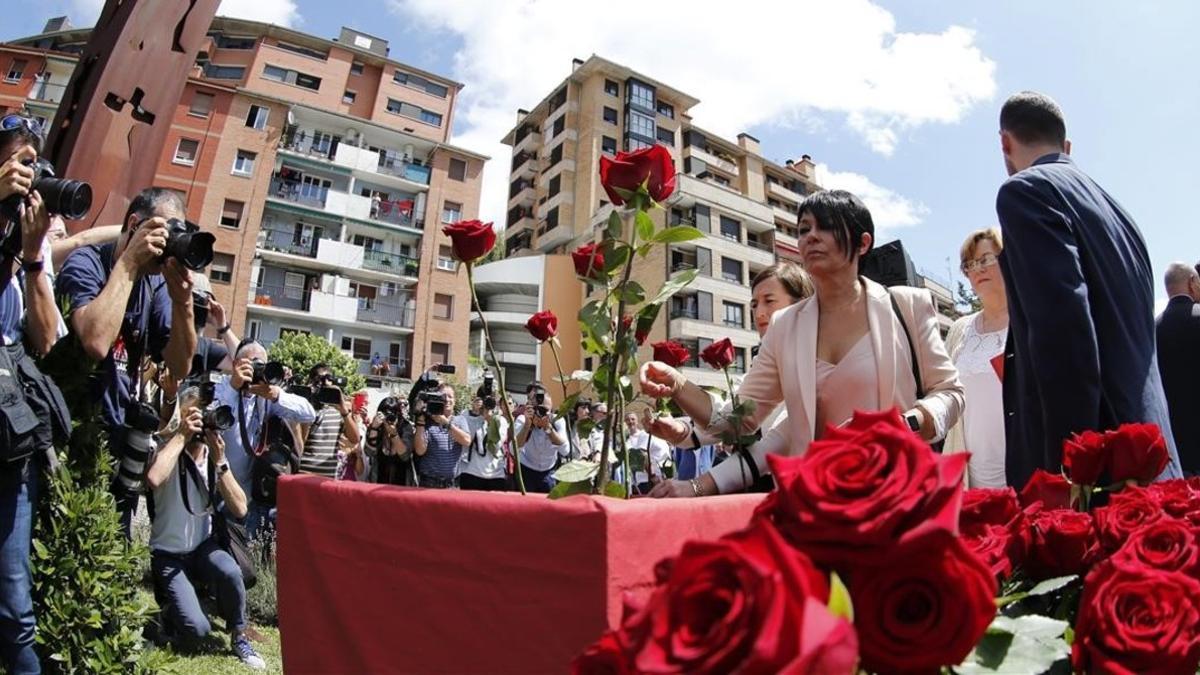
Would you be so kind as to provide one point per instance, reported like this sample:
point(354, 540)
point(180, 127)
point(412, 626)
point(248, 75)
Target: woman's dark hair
point(21, 134)
point(793, 277)
point(843, 214)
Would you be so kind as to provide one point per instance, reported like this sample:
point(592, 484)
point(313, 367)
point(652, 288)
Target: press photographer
point(255, 393)
point(192, 484)
point(388, 447)
point(333, 430)
point(482, 464)
point(542, 439)
point(131, 304)
point(437, 443)
point(33, 415)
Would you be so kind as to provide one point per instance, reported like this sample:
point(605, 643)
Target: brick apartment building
point(324, 169)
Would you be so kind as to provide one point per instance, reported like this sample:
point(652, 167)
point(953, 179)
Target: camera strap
point(256, 451)
point(187, 469)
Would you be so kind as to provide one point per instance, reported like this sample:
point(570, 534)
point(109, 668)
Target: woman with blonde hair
point(976, 345)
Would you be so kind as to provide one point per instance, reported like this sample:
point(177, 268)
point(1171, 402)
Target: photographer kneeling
point(437, 442)
point(190, 478)
point(333, 429)
point(542, 439)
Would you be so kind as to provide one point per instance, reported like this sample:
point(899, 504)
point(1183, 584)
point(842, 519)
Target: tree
point(967, 301)
point(498, 252)
point(301, 352)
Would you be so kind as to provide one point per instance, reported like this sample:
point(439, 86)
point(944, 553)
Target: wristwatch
point(913, 422)
point(222, 469)
point(33, 265)
point(223, 330)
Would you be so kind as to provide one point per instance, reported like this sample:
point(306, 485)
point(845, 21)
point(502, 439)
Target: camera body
point(267, 372)
point(187, 244)
point(219, 418)
point(435, 402)
point(538, 398)
point(71, 199)
point(487, 391)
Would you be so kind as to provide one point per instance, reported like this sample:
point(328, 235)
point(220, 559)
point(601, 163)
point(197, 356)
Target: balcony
point(310, 144)
point(685, 313)
point(712, 160)
point(45, 92)
point(409, 171)
point(391, 262)
point(778, 190)
point(532, 138)
point(682, 265)
point(395, 212)
point(782, 214)
point(525, 164)
point(521, 193)
point(282, 297)
point(380, 311)
point(387, 311)
point(761, 245)
point(298, 193)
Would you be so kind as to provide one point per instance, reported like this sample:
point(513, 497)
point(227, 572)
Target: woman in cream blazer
point(843, 349)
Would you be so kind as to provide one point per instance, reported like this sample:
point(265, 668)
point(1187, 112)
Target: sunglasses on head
point(13, 122)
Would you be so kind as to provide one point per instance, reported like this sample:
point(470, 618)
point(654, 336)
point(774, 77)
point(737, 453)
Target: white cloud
point(889, 209)
point(281, 12)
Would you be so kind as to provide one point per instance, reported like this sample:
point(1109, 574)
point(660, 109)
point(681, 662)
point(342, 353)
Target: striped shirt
point(441, 454)
point(320, 455)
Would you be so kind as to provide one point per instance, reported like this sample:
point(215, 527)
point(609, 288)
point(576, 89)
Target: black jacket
point(1179, 365)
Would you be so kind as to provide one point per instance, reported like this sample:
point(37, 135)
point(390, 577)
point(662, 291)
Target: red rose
point(988, 506)
point(746, 603)
point(1137, 620)
point(621, 176)
point(850, 497)
point(1061, 542)
point(605, 657)
point(1127, 512)
point(1168, 544)
point(1138, 452)
point(589, 261)
point(1051, 489)
point(1085, 457)
point(998, 546)
point(1177, 497)
point(719, 354)
point(671, 353)
point(923, 605)
point(470, 239)
point(639, 336)
point(542, 326)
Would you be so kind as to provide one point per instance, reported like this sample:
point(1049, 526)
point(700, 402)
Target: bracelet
point(223, 330)
point(696, 491)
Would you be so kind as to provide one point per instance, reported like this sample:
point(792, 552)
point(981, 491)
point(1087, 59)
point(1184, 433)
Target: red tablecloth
point(380, 579)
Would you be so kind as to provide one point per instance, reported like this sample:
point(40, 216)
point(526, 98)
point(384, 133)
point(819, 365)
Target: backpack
point(278, 458)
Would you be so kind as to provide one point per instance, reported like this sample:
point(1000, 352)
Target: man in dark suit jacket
point(1081, 351)
point(1179, 361)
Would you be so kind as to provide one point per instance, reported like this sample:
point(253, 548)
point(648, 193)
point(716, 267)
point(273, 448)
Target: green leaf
point(593, 318)
point(644, 250)
point(614, 489)
point(677, 234)
point(576, 471)
point(645, 226)
point(632, 293)
point(616, 257)
point(840, 603)
point(1024, 644)
point(674, 285)
point(567, 489)
point(1051, 585)
point(613, 231)
point(568, 404)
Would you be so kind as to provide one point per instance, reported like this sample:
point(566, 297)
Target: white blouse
point(983, 415)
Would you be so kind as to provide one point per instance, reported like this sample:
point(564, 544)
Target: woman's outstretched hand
point(658, 380)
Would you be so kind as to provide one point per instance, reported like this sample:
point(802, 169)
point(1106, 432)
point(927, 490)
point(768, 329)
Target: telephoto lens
point(268, 372)
point(219, 418)
point(187, 244)
point(71, 199)
point(141, 421)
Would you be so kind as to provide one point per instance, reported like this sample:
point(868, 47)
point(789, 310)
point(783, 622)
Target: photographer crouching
point(33, 415)
point(333, 436)
point(437, 442)
point(131, 305)
point(542, 440)
point(190, 478)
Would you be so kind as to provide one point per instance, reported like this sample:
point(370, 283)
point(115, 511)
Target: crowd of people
point(1064, 340)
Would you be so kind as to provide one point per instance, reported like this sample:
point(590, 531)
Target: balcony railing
point(680, 265)
point(761, 245)
point(391, 262)
point(305, 143)
point(390, 368)
point(285, 241)
point(301, 193)
point(379, 310)
point(47, 92)
point(284, 297)
point(685, 313)
point(399, 212)
point(406, 170)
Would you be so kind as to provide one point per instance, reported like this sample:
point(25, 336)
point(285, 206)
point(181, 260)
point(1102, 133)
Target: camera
point(390, 409)
point(487, 391)
point(538, 398)
point(141, 421)
point(219, 418)
point(187, 244)
point(71, 199)
point(269, 372)
point(435, 402)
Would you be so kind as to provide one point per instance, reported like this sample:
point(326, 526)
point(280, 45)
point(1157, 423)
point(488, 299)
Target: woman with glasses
point(976, 344)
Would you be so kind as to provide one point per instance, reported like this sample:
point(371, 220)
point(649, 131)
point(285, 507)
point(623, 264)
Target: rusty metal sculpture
point(117, 109)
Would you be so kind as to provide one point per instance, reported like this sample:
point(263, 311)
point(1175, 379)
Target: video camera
point(324, 390)
point(71, 199)
point(426, 395)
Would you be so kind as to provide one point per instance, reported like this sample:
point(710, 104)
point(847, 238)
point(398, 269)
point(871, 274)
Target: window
point(458, 170)
point(443, 306)
point(16, 71)
point(439, 352)
point(551, 220)
point(231, 214)
point(632, 144)
point(201, 104)
point(610, 115)
point(221, 269)
point(641, 95)
point(243, 165)
point(356, 68)
point(446, 259)
point(556, 155)
point(560, 125)
point(666, 110)
point(420, 83)
point(286, 76)
point(612, 88)
point(275, 73)
point(224, 42)
point(608, 145)
point(558, 100)
point(734, 315)
point(665, 136)
point(306, 51)
point(413, 112)
point(308, 81)
point(348, 97)
point(731, 270)
point(731, 229)
point(451, 212)
point(256, 118)
point(253, 328)
point(185, 152)
point(359, 348)
point(217, 72)
point(396, 353)
point(368, 243)
point(431, 118)
point(642, 125)
point(293, 285)
point(739, 360)
point(555, 185)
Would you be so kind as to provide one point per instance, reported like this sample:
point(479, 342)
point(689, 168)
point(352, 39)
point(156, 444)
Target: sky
point(896, 100)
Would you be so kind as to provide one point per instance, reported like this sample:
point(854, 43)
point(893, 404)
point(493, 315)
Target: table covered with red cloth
point(382, 579)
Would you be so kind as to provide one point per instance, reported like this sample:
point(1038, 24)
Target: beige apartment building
point(324, 168)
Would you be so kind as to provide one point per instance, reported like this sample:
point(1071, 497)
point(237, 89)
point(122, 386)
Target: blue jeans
point(174, 574)
point(18, 499)
point(538, 481)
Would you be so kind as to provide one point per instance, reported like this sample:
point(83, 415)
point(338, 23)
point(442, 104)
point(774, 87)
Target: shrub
point(301, 352)
point(262, 604)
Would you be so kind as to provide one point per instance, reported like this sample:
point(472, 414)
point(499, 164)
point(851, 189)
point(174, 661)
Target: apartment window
point(348, 97)
point(612, 88)
point(641, 95)
point(632, 144)
point(368, 243)
point(446, 259)
point(555, 185)
point(610, 115)
point(185, 152)
point(243, 164)
point(256, 118)
point(443, 306)
point(218, 72)
point(551, 220)
point(559, 99)
point(665, 136)
point(731, 229)
point(306, 51)
point(451, 212)
point(225, 42)
point(356, 68)
point(396, 353)
point(731, 270)
point(666, 110)
point(739, 360)
point(560, 125)
point(231, 214)
point(457, 170)
point(16, 71)
point(308, 81)
point(414, 112)
point(221, 269)
point(734, 315)
point(439, 352)
point(420, 83)
point(275, 73)
point(359, 348)
point(642, 125)
point(202, 103)
point(608, 145)
point(556, 154)
point(287, 76)
point(253, 328)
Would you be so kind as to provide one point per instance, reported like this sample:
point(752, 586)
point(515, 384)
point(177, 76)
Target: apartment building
point(324, 169)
